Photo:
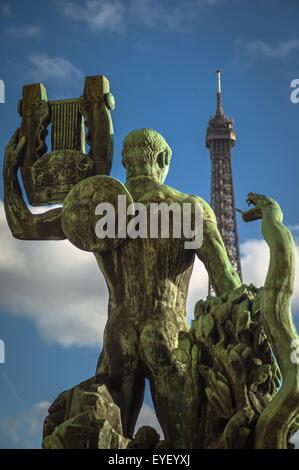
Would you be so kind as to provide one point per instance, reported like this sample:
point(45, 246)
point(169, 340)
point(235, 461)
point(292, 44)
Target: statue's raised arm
point(48, 177)
point(213, 254)
point(23, 224)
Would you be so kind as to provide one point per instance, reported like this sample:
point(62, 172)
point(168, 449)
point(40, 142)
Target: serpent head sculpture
point(277, 420)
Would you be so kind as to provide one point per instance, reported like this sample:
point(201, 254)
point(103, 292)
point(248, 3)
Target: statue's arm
point(23, 224)
point(213, 254)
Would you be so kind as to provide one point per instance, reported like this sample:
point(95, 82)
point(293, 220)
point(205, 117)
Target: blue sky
point(160, 58)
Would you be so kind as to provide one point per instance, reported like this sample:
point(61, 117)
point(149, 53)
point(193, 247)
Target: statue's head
point(146, 153)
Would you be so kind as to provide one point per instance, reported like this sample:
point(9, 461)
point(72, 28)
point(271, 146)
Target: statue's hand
point(14, 153)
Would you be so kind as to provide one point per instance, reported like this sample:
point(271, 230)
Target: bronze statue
point(211, 385)
point(147, 281)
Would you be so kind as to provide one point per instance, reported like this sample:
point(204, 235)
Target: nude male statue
point(147, 280)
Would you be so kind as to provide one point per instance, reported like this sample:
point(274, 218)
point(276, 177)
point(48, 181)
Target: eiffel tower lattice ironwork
point(220, 139)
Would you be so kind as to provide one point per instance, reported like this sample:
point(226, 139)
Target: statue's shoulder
point(173, 194)
point(208, 213)
point(177, 196)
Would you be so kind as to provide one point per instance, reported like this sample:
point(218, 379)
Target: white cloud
point(97, 14)
point(255, 262)
point(25, 430)
point(56, 285)
point(23, 32)
point(198, 288)
point(156, 15)
point(5, 9)
point(295, 232)
point(258, 48)
point(55, 69)
point(64, 293)
point(116, 15)
point(147, 417)
point(295, 440)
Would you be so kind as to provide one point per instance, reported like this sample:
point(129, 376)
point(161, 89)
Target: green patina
point(212, 385)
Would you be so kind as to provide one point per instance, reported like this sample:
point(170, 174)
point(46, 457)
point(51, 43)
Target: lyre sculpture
point(48, 177)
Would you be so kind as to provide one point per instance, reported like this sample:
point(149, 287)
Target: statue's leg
point(121, 365)
point(167, 380)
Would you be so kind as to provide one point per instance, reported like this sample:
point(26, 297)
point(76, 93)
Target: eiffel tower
point(220, 139)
